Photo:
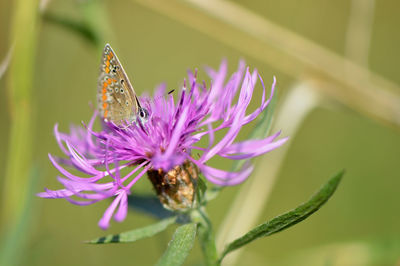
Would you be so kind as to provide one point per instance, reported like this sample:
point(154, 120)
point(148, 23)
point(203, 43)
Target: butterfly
point(117, 100)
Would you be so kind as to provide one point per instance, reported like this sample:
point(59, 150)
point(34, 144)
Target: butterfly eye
point(143, 114)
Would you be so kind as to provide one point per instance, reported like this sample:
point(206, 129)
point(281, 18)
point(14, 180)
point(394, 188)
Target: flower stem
point(206, 237)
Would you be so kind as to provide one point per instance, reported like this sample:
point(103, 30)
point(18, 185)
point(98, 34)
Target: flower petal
point(120, 215)
point(104, 222)
point(257, 152)
point(248, 145)
point(226, 178)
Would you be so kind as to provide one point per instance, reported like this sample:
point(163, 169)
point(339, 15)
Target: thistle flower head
point(166, 146)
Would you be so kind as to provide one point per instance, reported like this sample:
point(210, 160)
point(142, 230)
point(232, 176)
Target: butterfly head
point(142, 115)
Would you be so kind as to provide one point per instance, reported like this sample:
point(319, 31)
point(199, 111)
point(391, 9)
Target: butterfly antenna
point(168, 93)
point(137, 101)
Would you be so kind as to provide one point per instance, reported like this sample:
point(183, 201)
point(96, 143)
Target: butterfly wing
point(116, 97)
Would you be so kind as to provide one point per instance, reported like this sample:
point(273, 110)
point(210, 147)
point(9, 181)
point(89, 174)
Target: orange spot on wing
point(105, 113)
point(107, 63)
point(105, 106)
point(105, 85)
point(104, 95)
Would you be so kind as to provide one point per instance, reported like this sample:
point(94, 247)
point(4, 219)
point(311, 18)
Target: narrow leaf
point(180, 245)
point(134, 235)
point(288, 219)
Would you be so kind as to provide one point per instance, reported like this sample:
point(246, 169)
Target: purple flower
point(166, 146)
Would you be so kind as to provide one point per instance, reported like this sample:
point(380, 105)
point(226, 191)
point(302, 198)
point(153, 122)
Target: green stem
point(206, 237)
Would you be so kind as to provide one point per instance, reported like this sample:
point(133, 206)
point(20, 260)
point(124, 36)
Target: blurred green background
point(158, 42)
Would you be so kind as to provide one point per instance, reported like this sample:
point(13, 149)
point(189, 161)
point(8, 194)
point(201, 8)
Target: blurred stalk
point(6, 62)
point(20, 80)
point(15, 239)
point(296, 56)
point(359, 30)
point(247, 207)
point(43, 4)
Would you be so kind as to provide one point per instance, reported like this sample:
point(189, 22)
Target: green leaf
point(180, 245)
point(288, 219)
point(134, 235)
